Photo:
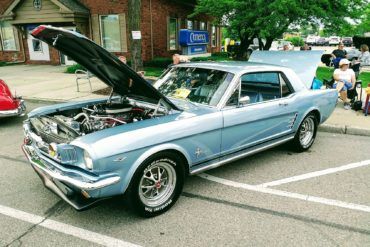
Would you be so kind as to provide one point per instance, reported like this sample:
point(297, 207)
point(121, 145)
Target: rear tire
point(306, 134)
point(157, 184)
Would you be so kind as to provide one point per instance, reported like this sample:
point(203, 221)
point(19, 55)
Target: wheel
point(306, 133)
point(157, 184)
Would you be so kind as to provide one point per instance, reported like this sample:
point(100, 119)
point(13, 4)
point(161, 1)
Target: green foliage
point(72, 69)
point(159, 62)
point(270, 19)
point(153, 71)
point(220, 54)
point(219, 57)
point(3, 63)
point(296, 41)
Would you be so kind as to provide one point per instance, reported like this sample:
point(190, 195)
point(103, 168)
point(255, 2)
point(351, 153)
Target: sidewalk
point(49, 83)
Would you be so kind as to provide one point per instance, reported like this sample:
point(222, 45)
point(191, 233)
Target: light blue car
point(143, 141)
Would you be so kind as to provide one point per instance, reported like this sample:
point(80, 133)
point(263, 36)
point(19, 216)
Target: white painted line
point(303, 197)
point(64, 228)
point(316, 174)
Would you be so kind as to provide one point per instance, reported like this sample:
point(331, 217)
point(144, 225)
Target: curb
point(344, 129)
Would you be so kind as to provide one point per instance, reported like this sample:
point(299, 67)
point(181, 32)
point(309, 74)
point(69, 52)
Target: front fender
point(148, 153)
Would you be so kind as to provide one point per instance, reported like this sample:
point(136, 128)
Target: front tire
point(306, 133)
point(157, 184)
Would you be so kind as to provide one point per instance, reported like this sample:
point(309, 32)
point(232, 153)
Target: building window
point(172, 34)
point(214, 36)
point(110, 32)
point(7, 37)
point(189, 24)
point(202, 25)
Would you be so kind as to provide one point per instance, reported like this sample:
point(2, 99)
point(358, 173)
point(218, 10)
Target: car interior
point(261, 87)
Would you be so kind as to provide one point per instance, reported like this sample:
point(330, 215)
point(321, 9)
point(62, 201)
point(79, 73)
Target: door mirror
point(244, 100)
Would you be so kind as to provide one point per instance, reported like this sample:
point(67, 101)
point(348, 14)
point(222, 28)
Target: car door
point(270, 113)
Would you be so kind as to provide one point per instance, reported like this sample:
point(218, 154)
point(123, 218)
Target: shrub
point(158, 62)
point(296, 41)
point(72, 69)
point(2, 63)
point(220, 54)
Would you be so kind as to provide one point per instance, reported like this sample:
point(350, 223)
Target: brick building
point(104, 21)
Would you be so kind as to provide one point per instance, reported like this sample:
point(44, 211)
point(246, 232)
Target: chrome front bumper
point(20, 111)
point(76, 190)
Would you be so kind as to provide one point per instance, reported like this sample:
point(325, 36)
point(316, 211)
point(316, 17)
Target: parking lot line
point(316, 174)
point(64, 228)
point(287, 194)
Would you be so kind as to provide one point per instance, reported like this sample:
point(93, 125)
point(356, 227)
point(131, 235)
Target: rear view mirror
point(244, 100)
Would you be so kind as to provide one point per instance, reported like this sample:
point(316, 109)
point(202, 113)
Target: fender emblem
point(119, 159)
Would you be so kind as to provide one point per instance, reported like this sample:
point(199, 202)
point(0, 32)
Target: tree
point(134, 20)
point(269, 19)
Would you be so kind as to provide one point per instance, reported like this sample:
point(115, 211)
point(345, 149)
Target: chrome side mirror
point(244, 100)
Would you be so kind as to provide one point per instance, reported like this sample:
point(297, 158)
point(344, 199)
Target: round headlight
point(88, 161)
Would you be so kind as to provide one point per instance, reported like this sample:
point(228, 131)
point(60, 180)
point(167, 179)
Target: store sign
point(190, 37)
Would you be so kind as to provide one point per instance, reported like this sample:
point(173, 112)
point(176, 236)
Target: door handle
point(284, 103)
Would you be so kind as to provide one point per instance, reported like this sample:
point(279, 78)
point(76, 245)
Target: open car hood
point(304, 63)
point(103, 64)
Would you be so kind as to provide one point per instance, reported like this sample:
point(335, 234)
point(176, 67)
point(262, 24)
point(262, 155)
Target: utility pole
point(134, 21)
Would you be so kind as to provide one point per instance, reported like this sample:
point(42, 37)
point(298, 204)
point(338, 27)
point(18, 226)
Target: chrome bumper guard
point(74, 192)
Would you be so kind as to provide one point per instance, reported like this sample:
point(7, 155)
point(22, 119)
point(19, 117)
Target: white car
point(311, 40)
point(334, 40)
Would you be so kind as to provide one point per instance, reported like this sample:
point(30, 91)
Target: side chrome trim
point(242, 155)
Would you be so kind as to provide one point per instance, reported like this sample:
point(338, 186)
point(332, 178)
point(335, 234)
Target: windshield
point(198, 85)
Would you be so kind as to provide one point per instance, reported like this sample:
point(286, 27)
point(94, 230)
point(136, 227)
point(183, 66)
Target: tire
point(306, 134)
point(150, 196)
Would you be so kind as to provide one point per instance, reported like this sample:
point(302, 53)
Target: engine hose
point(80, 115)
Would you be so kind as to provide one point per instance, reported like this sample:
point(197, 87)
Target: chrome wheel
point(157, 184)
point(307, 132)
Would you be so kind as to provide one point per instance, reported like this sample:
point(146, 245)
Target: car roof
point(232, 67)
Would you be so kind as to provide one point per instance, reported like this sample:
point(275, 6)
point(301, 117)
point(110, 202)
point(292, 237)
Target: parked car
point(279, 45)
point(10, 105)
point(334, 40)
point(347, 41)
point(145, 140)
point(322, 42)
point(311, 40)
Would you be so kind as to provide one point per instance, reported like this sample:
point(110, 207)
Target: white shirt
point(364, 58)
point(344, 74)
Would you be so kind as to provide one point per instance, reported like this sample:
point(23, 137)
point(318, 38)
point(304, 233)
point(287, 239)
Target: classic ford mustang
point(142, 141)
point(10, 105)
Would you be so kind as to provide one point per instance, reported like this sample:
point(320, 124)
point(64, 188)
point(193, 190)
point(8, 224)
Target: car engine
point(63, 127)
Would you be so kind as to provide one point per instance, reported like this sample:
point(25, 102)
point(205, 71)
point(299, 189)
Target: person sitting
point(344, 80)
point(338, 54)
point(364, 58)
point(305, 48)
point(176, 59)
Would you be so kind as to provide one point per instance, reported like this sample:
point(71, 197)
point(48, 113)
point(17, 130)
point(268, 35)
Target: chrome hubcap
point(307, 132)
point(157, 184)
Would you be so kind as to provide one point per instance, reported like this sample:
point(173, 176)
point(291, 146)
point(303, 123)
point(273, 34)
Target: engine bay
point(65, 126)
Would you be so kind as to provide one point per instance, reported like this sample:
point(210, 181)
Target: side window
point(285, 90)
point(261, 87)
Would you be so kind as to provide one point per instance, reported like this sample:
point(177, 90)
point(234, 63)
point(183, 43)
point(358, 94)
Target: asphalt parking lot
point(275, 198)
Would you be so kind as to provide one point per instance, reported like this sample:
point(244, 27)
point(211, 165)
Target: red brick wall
point(161, 10)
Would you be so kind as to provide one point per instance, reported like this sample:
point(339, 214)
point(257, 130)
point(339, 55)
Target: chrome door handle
point(283, 103)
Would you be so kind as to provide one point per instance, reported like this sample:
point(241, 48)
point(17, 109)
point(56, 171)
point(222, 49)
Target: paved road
point(230, 210)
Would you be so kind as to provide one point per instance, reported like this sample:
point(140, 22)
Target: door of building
point(65, 60)
point(38, 50)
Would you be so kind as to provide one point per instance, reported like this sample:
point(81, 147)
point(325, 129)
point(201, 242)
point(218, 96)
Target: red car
point(10, 105)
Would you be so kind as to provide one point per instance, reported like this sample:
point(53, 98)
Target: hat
point(344, 61)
